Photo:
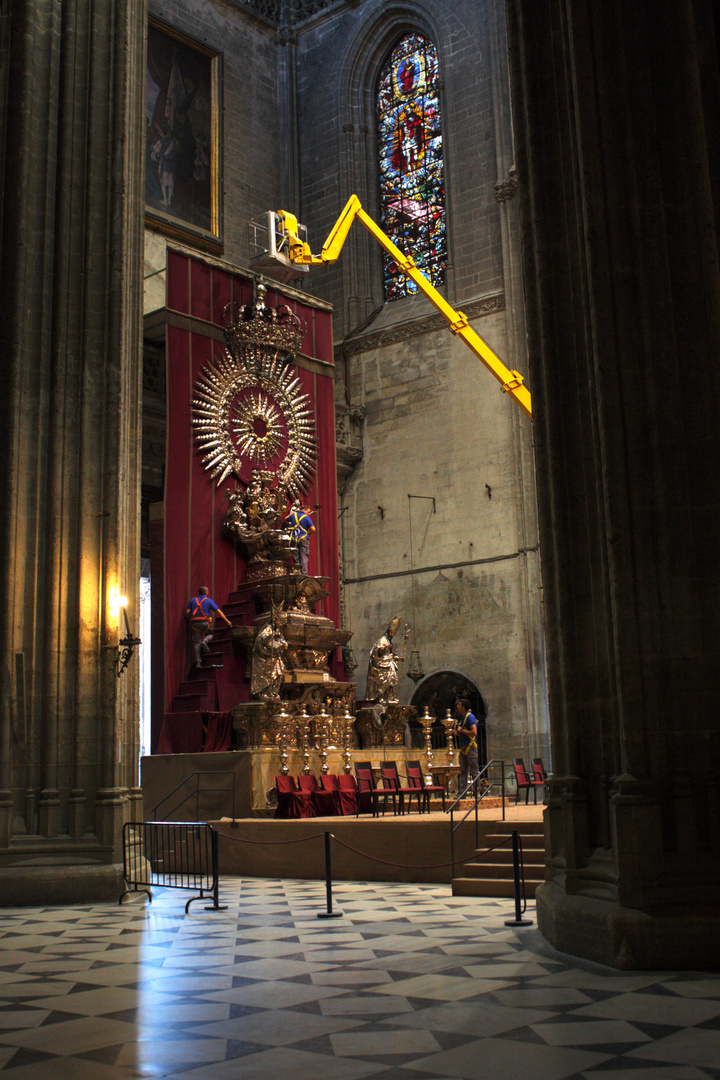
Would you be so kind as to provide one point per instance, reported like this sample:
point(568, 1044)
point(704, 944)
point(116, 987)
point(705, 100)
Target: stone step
point(531, 856)
point(492, 887)
point(502, 870)
point(530, 840)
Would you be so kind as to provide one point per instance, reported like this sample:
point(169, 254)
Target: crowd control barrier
point(171, 855)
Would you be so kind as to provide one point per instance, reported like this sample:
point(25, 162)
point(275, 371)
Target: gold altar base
point(256, 724)
point(384, 725)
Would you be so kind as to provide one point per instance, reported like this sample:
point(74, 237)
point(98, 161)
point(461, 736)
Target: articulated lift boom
point(299, 254)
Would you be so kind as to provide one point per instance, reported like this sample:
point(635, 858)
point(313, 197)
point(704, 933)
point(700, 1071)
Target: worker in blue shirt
point(466, 732)
point(301, 526)
point(200, 614)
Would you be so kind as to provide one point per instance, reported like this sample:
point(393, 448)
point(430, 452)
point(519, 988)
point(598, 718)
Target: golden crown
point(256, 324)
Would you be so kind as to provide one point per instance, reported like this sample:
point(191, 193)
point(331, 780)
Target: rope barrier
point(272, 843)
point(373, 858)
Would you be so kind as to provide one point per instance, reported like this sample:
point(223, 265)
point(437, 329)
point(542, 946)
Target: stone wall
point(251, 151)
point(462, 570)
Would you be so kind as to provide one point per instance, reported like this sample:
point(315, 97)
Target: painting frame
point(183, 118)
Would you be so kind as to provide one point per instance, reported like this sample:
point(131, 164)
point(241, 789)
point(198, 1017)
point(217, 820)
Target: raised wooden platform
point(414, 847)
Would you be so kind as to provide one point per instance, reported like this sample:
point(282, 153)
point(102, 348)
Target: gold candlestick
point(281, 719)
point(347, 757)
point(323, 717)
point(448, 723)
point(426, 720)
point(305, 728)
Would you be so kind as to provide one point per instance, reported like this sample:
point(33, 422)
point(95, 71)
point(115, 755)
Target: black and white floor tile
point(410, 983)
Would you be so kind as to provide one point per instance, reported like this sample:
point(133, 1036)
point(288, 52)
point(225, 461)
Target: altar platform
point(411, 847)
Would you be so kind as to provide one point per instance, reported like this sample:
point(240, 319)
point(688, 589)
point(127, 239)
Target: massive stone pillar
point(71, 117)
point(616, 121)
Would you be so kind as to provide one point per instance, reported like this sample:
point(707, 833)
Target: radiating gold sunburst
point(263, 393)
point(258, 428)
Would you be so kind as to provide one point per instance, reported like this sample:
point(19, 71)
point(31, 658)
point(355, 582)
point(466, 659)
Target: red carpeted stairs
point(220, 683)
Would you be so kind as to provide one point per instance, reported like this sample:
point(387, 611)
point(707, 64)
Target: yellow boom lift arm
point(511, 382)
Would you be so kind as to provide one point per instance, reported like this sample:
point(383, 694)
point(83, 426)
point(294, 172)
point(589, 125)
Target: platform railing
point(171, 855)
point(196, 791)
point(477, 790)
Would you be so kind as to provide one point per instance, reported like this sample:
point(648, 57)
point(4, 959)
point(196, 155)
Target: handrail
point(196, 792)
point(477, 800)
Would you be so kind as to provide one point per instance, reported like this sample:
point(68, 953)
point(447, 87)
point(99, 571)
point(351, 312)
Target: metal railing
point(477, 791)
point(171, 855)
point(197, 790)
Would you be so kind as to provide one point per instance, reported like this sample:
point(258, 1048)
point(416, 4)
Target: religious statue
point(382, 677)
point(263, 502)
point(235, 519)
point(268, 666)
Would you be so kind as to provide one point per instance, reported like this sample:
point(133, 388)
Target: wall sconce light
point(127, 644)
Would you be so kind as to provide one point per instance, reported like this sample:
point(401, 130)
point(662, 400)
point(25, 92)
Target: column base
point(625, 938)
point(42, 886)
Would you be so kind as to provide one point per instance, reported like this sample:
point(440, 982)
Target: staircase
point(211, 688)
point(491, 873)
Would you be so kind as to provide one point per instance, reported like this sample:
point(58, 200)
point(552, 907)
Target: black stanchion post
point(518, 920)
point(329, 914)
point(215, 857)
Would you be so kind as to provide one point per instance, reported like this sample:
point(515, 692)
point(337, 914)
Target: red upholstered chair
point(347, 794)
point(523, 781)
point(329, 782)
point(291, 802)
point(367, 793)
point(416, 780)
point(539, 776)
point(391, 781)
point(323, 802)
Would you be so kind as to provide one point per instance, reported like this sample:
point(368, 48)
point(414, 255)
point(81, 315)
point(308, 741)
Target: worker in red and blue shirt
point(466, 732)
point(301, 526)
point(200, 614)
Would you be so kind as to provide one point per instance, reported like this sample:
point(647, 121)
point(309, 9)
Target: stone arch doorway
point(438, 692)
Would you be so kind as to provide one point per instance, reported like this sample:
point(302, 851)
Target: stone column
point(70, 305)
point(616, 117)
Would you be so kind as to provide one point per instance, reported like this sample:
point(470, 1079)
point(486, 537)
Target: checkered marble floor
point(409, 983)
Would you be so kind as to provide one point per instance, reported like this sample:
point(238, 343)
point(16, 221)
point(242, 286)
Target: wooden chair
point(416, 779)
point(367, 792)
point(523, 781)
point(323, 802)
point(539, 776)
point(292, 803)
point(391, 781)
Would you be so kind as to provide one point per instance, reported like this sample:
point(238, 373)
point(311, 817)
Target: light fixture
point(415, 669)
point(127, 644)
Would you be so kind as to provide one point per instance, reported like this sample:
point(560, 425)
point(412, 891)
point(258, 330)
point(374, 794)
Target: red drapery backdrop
point(195, 552)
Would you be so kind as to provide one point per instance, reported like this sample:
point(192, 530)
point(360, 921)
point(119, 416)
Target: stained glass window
point(412, 191)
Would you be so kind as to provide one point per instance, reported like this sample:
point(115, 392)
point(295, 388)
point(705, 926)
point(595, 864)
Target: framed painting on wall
point(183, 163)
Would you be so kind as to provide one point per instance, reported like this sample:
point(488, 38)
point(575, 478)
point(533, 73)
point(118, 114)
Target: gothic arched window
point(412, 191)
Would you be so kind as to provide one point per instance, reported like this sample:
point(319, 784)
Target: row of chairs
point(528, 780)
point(392, 791)
point(328, 795)
point(323, 796)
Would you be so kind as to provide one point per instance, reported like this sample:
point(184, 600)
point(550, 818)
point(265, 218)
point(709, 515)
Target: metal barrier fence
point(171, 855)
